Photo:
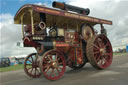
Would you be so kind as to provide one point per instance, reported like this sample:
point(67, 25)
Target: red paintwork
point(29, 43)
point(98, 55)
point(45, 64)
point(30, 64)
point(75, 55)
point(79, 55)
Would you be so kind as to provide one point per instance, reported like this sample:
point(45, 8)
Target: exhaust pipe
point(67, 7)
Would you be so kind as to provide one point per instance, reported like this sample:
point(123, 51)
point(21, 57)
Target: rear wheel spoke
point(107, 54)
point(96, 47)
point(99, 44)
point(98, 58)
point(106, 45)
point(99, 51)
point(96, 52)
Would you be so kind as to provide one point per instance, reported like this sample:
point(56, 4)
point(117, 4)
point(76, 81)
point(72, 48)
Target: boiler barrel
point(64, 6)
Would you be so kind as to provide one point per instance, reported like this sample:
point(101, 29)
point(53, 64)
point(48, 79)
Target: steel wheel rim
point(102, 51)
point(31, 66)
point(47, 67)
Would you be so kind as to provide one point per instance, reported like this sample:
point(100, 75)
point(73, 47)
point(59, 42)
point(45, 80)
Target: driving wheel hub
point(54, 64)
point(102, 51)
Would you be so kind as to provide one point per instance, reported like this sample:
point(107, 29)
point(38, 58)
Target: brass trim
point(32, 21)
point(54, 44)
point(22, 25)
point(60, 32)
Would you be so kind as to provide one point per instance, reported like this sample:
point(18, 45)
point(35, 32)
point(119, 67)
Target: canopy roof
point(57, 14)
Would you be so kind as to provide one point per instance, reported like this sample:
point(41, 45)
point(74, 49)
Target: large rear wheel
point(99, 52)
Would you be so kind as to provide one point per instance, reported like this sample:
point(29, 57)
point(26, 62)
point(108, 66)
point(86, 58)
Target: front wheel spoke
point(35, 71)
point(32, 59)
point(29, 61)
point(29, 68)
point(31, 71)
point(38, 71)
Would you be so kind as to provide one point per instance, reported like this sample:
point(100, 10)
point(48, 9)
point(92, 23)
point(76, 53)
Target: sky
point(114, 10)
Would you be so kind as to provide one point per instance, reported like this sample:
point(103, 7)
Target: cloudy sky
point(10, 33)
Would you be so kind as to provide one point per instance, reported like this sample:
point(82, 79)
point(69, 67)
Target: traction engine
point(62, 37)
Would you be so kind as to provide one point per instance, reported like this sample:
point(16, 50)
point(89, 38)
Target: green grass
point(12, 68)
point(124, 53)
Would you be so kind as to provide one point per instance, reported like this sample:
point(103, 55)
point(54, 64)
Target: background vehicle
point(62, 38)
point(4, 62)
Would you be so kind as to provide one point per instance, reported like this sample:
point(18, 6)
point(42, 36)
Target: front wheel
point(31, 66)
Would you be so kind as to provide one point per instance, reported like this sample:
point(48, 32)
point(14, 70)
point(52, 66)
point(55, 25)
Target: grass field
point(119, 54)
point(11, 68)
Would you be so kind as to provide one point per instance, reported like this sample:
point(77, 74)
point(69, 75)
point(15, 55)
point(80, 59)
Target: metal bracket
point(103, 30)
